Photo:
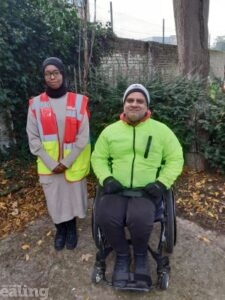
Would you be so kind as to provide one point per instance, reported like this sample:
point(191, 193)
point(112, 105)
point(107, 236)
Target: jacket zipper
point(148, 146)
point(132, 167)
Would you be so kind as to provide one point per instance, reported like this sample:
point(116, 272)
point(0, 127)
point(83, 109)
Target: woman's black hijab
point(62, 90)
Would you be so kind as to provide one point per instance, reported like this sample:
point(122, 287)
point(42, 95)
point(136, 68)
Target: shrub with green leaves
point(31, 31)
point(35, 29)
point(186, 106)
point(105, 103)
point(214, 124)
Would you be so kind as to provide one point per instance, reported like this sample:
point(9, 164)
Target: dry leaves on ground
point(200, 197)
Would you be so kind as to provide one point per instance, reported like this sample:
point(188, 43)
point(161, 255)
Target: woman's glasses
point(49, 75)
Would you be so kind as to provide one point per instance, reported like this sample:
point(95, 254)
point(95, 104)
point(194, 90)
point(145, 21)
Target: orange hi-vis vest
point(75, 110)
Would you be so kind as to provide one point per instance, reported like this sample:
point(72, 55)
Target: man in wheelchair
point(127, 160)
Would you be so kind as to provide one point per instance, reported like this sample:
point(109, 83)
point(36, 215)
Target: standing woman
point(58, 134)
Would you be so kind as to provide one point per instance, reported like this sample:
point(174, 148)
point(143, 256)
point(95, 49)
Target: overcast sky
point(144, 18)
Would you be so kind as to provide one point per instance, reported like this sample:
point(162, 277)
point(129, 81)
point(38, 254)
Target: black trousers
point(114, 212)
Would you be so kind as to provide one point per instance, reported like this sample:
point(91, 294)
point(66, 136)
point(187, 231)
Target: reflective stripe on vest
point(47, 125)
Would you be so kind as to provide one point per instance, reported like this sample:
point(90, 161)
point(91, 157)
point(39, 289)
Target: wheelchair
point(165, 215)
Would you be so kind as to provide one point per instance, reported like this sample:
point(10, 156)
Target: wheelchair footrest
point(134, 285)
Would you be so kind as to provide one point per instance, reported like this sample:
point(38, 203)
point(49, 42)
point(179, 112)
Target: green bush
point(31, 31)
point(105, 104)
point(186, 106)
point(214, 124)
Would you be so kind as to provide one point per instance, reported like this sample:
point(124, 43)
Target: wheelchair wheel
point(99, 239)
point(97, 234)
point(98, 273)
point(163, 281)
point(170, 222)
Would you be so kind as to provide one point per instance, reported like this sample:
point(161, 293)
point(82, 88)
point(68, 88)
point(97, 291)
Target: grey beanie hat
point(55, 61)
point(137, 87)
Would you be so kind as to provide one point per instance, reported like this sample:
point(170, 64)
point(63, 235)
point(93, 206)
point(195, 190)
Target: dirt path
point(198, 266)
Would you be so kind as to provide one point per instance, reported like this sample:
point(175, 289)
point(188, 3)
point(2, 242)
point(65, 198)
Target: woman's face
point(53, 77)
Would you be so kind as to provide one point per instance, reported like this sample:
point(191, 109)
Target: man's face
point(135, 107)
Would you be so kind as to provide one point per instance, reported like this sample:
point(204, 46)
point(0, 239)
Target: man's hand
point(111, 186)
point(155, 190)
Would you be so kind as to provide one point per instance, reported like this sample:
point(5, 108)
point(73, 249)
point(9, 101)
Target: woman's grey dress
point(65, 200)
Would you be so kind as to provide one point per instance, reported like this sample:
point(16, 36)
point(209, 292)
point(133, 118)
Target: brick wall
point(217, 64)
point(140, 61)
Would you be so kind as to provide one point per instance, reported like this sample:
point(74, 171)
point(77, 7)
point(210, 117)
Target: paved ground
point(28, 260)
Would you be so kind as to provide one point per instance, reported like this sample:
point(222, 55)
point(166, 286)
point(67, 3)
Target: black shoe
point(60, 236)
point(71, 236)
point(121, 270)
point(142, 270)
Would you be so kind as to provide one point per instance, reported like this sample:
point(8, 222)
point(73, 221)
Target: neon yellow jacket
point(138, 155)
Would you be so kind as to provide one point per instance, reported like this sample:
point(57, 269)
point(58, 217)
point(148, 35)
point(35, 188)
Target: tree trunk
point(86, 58)
point(191, 19)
